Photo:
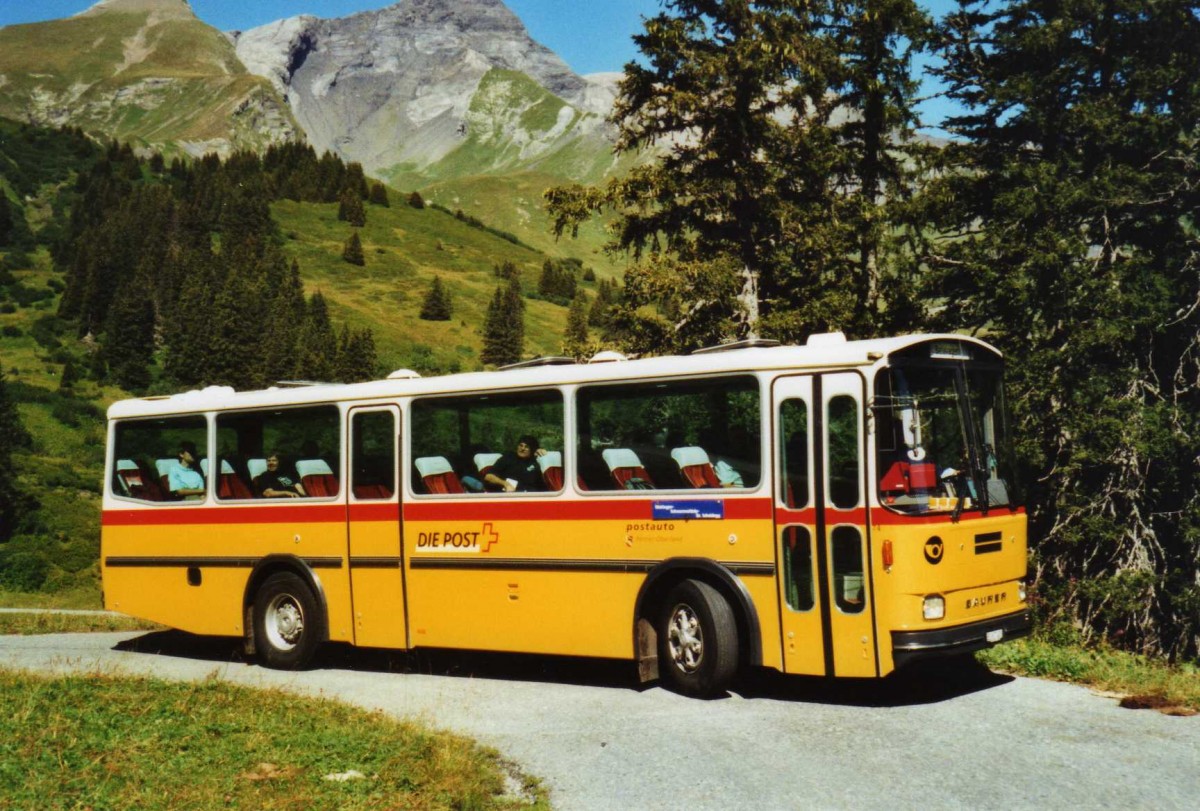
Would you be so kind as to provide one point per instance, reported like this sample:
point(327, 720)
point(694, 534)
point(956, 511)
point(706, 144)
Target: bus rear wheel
point(698, 640)
point(286, 622)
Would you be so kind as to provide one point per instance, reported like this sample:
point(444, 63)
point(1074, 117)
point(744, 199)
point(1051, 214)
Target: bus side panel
point(974, 563)
point(562, 586)
point(146, 561)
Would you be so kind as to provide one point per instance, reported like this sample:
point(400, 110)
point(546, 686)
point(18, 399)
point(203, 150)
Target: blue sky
point(590, 35)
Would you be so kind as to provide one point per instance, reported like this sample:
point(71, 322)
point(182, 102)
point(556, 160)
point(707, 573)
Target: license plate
point(995, 636)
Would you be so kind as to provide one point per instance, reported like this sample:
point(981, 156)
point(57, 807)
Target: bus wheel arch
point(289, 585)
point(659, 585)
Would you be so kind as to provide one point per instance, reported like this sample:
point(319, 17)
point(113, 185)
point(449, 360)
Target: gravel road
point(955, 737)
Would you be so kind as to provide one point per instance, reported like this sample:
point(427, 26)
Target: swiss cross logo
point(488, 537)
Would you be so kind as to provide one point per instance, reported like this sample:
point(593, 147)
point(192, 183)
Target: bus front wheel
point(285, 622)
point(698, 640)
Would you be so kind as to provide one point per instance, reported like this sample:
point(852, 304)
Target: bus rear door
point(376, 568)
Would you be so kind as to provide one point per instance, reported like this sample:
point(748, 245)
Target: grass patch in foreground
point(101, 742)
point(1147, 682)
point(30, 623)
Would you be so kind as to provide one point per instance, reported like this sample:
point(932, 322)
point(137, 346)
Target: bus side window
point(304, 442)
point(373, 475)
point(798, 568)
point(455, 442)
point(843, 476)
point(793, 437)
point(633, 436)
point(847, 555)
point(146, 450)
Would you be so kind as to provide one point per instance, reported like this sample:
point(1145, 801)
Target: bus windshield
point(942, 439)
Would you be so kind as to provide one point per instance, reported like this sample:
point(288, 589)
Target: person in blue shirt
point(184, 480)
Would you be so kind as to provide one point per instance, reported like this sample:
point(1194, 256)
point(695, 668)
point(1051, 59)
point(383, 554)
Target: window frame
point(414, 404)
point(339, 471)
point(762, 384)
point(111, 466)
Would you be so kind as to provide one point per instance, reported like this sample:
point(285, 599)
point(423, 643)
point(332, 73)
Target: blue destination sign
point(664, 510)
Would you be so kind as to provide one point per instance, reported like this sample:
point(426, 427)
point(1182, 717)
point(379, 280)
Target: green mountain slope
point(143, 71)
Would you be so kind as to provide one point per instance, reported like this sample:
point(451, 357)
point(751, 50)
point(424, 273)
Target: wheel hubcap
point(685, 640)
point(285, 622)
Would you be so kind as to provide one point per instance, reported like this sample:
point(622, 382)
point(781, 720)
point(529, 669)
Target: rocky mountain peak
point(394, 87)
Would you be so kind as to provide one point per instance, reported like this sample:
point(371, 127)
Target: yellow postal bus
point(840, 508)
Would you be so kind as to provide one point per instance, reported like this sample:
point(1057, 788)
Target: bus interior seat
point(626, 469)
point(317, 478)
point(164, 468)
point(229, 484)
point(256, 467)
point(130, 480)
point(437, 474)
point(484, 462)
point(695, 468)
point(552, 470)
point(367, 492)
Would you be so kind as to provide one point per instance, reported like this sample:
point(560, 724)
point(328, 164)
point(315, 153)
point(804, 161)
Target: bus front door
point(376, 568)
point(821, 525)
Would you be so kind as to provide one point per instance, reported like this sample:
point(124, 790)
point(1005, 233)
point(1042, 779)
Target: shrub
point(23, 571)
point(10, 331)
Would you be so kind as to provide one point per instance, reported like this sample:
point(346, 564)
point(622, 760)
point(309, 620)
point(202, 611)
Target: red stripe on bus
point(589, 510)
point(382, 511)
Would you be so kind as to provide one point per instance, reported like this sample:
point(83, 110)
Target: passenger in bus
point(272, 483)
point(518, 471)
point(184, 480)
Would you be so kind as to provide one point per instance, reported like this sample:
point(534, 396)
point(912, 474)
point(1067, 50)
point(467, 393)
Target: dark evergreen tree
point(575, 337)
point(356, 358)
point(557, 282)
point(1068, 214)
point(317, 349)
point(68, 378)
point(15, 505)
point(350, 209)
point(437, 306)
point(503, 330)
point(790, 127)
point(415, 200)
point(129, 334)
point(379, 195)
point(352, 251)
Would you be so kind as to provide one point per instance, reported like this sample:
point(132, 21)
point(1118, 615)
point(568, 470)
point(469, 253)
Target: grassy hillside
point(171, 82)
point(405, 249)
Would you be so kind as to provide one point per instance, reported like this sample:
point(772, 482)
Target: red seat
point(133, 482)
point(627, 470)
point(437, 474)
point(317, 478)
point(904, 478)
point(552, 471)
point(694, 467)
point(229, 483)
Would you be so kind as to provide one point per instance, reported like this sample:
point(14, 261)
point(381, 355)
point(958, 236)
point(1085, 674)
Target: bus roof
point(827, 351)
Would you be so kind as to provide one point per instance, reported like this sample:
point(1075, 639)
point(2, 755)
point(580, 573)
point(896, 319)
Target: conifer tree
point(575, 338)
point(356, 357)
point(352, 251)
point(15, 505)
point(503, 332)
point(350, 209)
point(68, 378)
point(437, 306)
point(416, 201)
point(379, 195)
point(129, 334)
point(317, 349)
point(1067, 210)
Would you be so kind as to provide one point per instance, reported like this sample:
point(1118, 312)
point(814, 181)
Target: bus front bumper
point(912, 646)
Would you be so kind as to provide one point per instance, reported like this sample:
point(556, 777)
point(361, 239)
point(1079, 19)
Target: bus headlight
point(1021, 590)
point(935, 607)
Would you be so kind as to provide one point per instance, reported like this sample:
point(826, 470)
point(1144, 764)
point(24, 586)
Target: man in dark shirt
point(273, 484)
point(518, 471)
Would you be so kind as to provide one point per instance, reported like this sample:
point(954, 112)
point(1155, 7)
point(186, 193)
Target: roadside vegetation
point(38, 622)
point(101, 742)
point(1142, 682)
